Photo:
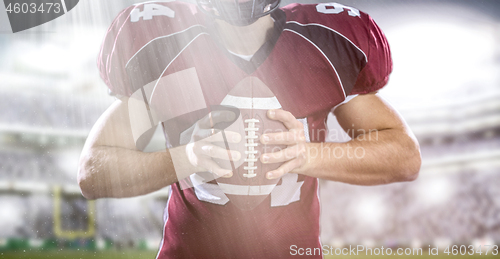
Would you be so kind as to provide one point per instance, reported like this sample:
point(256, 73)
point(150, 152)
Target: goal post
point(72, 234)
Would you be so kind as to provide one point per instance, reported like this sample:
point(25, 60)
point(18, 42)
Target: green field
point(135, 254)
point(74, 254)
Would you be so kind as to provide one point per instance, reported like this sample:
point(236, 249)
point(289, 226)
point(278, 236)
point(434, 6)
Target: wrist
point(309, 158)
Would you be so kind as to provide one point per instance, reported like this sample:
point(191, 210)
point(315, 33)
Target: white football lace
point(250, 148)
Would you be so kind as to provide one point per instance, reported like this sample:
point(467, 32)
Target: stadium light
point(435, 191)
point(69, 52)
point(370, 210)
point(435, 60)
point(67, 160)
point(11, 216)
point(47, 58)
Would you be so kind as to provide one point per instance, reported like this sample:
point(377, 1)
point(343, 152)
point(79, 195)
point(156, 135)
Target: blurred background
point(446, 84)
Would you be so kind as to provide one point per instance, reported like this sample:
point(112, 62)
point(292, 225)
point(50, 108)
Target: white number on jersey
point(334, 8)
point(149, 11)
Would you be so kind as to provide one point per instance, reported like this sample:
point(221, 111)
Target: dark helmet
point(238, 12)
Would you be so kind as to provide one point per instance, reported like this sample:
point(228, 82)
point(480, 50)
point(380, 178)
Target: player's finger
point(283, 138)
point(207, 149)
point(286, 118)
point(283, 155)
point(284, 169)
point(214, 168)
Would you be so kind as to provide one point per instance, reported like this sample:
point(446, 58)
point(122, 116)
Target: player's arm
point(112, 166)
point(387, 150)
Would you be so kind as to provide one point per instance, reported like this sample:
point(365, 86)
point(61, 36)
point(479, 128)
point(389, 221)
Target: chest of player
point(300, 77)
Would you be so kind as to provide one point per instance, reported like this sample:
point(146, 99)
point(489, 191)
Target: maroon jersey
point(314, 58)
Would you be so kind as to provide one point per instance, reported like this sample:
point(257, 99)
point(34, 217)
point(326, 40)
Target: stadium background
point(446, 84)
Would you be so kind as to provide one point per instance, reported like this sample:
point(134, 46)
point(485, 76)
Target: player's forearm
point(119, 172)
point(377, 157)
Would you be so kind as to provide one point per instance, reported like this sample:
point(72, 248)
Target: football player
point(315, 58)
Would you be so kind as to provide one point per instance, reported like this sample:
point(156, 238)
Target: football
point(248, 186)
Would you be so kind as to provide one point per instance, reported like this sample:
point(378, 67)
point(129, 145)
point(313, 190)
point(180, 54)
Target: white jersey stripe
point(320, 25)
point(251, 103)
point(180, 52)
point(347, 99)
point(233, 189)
point(165, 36)
point(334, 69)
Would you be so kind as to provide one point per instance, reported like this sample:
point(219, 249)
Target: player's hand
point(201, 149)
point(294, 155)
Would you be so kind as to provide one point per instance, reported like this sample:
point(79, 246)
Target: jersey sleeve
point(351, 41)
point(375, 74)
point(113, 75)
point(138, 28)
